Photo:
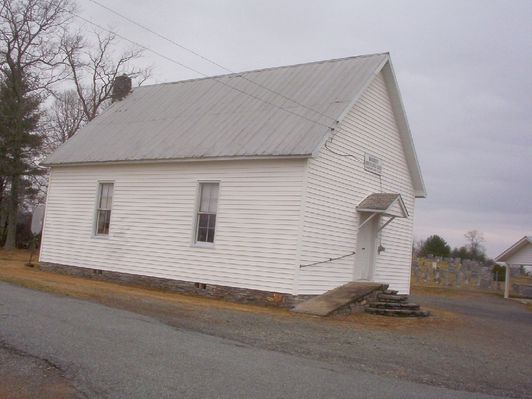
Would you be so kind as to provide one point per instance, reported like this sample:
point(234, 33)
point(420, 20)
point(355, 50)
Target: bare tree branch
point(93, 69)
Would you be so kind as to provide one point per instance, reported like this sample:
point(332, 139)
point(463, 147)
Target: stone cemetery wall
point(466, 274)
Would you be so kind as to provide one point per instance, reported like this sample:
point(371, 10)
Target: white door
point(366, 247)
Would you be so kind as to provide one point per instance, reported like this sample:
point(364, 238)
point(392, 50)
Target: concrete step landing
point(325, 304)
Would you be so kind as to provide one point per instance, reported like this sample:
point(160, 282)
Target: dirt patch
point(439, 320)
point(26, 377)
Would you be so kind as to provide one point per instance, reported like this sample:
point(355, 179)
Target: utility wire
point(332, 129)
point(146, 28)
point(338, 153)
point(216, 79)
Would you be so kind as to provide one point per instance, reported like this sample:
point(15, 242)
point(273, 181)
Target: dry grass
point(451, 292)
point(13, 270)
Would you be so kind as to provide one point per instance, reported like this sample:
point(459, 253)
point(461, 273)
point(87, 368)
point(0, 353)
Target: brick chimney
point(121, 87)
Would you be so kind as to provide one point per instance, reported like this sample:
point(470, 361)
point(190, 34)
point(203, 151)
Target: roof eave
point(404, 127)
point(176, 160)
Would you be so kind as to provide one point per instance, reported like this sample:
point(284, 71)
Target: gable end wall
point(335, 185)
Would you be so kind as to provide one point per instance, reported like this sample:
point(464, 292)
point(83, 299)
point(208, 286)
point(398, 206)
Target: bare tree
point(475, 239)
point(30, 63)
point(30, 38)
point(63, 119)
point(94, 67)
point(416, 247)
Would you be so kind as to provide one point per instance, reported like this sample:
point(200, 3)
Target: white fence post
point(507, 282)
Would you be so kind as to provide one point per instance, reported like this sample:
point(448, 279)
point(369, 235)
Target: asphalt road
point(110, 353)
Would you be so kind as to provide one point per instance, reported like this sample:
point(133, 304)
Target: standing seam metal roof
point(202, 118)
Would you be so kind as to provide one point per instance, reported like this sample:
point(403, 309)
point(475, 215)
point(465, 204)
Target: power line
point(337, 153)
point(332, 129)
point(146, 28)
point(216, 79)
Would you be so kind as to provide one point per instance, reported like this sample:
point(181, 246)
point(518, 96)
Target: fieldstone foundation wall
point(469, 274)
point(233, 294)
point(522, 290)
point(360, 305)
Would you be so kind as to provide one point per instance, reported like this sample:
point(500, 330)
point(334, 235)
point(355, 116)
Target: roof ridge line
point(237, 74)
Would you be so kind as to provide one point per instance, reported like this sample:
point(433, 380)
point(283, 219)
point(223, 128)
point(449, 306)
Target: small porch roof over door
point(386, 204)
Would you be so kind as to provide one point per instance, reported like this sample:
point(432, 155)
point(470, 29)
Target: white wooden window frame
point(195, 242)
point(99, 184)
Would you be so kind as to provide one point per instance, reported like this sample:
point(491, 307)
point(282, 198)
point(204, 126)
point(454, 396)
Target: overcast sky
point(464, 70)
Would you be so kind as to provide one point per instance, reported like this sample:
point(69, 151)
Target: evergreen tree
point(30, 64)
point(436, 246)
point(19, 143)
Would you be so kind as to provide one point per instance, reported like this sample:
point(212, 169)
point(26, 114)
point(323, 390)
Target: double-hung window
point(206, 217)
point(103, 208)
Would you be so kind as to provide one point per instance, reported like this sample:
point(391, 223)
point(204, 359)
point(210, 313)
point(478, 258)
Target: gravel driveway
point(112, 353)
point(473, 342)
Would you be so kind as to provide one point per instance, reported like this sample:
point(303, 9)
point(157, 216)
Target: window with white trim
point(206, 217)
point(103, 208)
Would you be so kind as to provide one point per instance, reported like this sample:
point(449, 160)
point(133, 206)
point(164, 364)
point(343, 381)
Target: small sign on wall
point(372, 164)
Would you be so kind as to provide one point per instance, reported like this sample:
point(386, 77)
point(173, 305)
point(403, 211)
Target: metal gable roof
point(203, 118)
point(227, 117)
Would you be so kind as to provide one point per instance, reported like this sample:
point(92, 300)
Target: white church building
point(262, 186)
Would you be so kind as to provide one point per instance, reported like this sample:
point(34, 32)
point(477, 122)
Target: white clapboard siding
point(521, 257)
point(335, 185)
point(153, 217)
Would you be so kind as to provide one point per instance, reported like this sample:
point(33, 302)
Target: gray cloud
point(463, 68)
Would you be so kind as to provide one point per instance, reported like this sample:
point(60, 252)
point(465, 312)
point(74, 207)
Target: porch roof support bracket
point(367, 220)
point(387, 223)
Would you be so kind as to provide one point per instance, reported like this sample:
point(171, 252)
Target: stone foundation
point(359, 305)
point(233, 294)
point(522, 290)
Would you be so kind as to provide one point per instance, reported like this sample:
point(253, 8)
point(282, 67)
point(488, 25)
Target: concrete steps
point(398, 312)
point(392, 298)
point(389, 303)
point(337, 298)
point(380, 301)
point(392, 305)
